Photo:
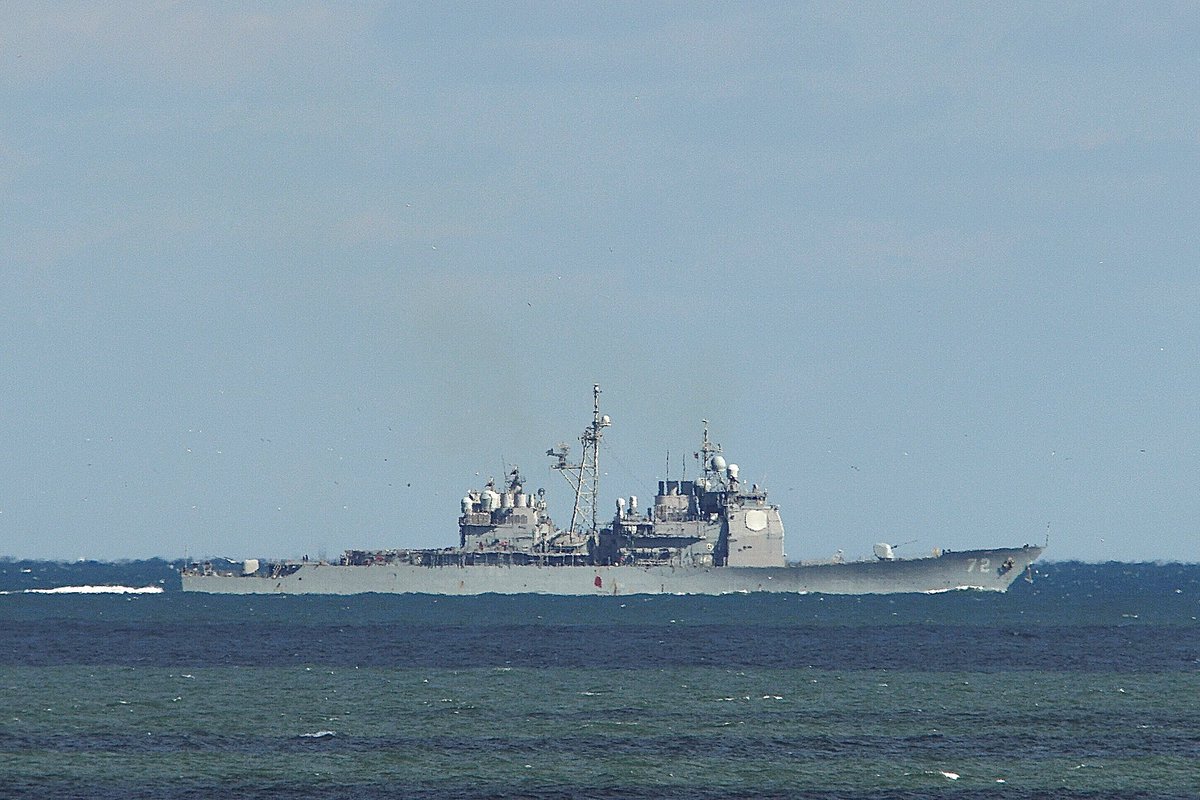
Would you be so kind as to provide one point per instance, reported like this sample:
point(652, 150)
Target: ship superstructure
point(708, 535)
point(712, 521)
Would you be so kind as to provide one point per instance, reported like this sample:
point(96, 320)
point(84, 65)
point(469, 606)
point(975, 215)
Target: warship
point(710, 535)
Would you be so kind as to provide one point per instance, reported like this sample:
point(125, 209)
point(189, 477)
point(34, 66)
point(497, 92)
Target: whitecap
point(318, 735)
point(962, 589)
point(91, 590)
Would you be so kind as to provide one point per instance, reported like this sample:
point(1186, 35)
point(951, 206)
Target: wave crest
point(91, 590)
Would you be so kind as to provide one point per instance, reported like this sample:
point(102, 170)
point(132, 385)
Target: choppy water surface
point(1084, 684)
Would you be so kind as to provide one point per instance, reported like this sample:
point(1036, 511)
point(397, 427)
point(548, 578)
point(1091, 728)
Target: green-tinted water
point(1083, 685)
point(680, 731)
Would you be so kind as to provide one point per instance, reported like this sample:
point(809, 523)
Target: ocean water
point(1085, 684)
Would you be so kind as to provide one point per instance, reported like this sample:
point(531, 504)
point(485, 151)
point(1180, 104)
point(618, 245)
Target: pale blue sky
point(282, 278)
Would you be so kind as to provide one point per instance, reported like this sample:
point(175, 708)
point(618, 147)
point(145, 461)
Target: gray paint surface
point(976, 569)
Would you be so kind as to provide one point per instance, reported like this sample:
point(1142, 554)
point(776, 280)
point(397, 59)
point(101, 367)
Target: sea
point(1084, 683)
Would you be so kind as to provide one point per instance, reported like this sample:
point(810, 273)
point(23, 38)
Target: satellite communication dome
point(733, 471)
point(717, 463)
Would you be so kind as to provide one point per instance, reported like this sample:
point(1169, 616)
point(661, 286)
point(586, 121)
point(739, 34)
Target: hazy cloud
point(181, 45)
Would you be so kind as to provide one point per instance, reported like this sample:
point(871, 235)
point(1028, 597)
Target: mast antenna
point(708, 449)
point(584, 477)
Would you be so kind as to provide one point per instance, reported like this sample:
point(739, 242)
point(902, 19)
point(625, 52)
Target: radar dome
point(733, 471)
point(717, 463)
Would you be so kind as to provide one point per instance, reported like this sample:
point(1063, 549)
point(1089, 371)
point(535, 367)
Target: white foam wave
point(91, 590)
point(318, 735)
point(962, 589)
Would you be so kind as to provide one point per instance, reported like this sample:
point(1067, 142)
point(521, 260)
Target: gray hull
point(993, 570)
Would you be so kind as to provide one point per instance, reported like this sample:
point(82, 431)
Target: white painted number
point(984, 564)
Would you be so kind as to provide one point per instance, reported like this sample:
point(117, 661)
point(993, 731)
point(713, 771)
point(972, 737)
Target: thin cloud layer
point(262, 266)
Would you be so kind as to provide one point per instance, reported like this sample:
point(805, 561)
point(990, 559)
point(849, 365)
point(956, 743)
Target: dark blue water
point(1084, 684)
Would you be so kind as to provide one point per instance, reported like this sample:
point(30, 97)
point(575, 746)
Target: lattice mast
point(584, 477)
point(712, 464)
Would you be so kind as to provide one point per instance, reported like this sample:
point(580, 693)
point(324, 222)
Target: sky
point(282, 279)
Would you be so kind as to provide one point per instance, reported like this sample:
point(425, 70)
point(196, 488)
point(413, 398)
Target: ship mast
point(584, 477)
point(708, 449)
